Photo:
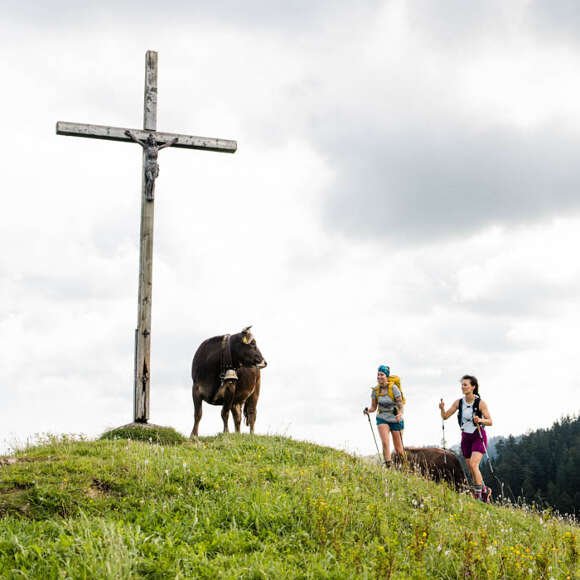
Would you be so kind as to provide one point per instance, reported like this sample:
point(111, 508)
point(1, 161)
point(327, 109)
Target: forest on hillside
point(541, 467)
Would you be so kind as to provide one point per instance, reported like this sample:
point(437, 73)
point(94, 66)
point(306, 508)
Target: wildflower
point(147, 462)
point(447, 552)
point(184, 465)
point(167, 472)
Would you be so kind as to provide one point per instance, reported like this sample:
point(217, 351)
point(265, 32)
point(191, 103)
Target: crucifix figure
point(151, 168)
point(152, 142)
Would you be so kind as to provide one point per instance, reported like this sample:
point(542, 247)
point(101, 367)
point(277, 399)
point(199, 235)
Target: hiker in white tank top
point(473, 436)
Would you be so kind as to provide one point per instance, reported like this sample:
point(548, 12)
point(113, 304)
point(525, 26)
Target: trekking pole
point(373, 432)
point(489, 461)
point(443, 440)
point(485, 448)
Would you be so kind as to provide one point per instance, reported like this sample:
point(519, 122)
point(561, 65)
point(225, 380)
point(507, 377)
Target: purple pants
point(471, 442)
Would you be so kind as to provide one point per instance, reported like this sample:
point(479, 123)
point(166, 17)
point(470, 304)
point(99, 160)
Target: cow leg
point(230, 391)
point(197, 402)
point(251, 405)
point(225, 417)
point(250, 411)
point(237, 414)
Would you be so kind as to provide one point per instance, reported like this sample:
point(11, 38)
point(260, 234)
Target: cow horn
point(247, 329)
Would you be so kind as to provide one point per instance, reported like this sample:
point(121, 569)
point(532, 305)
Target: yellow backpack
point(393, 380)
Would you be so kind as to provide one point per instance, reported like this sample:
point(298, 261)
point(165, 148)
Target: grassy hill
point(254, 507)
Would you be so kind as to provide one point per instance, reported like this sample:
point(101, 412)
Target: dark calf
point(437, 464)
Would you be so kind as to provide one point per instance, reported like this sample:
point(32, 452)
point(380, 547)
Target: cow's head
point(245, 351)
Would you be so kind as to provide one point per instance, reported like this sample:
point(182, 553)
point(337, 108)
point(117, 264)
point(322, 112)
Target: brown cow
point(209, 370)
point(437, 464)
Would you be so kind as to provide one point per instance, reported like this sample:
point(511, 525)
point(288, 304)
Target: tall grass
point(242, 506)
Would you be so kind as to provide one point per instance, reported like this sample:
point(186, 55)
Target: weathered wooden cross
point(151, 141)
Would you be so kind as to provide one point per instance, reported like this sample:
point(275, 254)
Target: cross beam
point(151, 141)
point(118, 134)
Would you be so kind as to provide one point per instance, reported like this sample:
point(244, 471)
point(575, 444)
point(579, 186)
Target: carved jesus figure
point(151, 166)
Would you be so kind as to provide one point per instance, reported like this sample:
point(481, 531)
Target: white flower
point(447, 552)
point(147, 462)
point(167, 472)
point(439, 548)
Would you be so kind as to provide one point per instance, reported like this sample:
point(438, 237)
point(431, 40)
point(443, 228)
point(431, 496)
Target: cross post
point(152, 141)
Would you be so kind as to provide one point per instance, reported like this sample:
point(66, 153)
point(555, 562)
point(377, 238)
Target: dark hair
point(473, 382)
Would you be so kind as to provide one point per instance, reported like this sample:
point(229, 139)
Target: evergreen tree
point(541, 467)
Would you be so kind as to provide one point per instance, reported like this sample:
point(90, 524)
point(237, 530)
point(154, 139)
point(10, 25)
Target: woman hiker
point(473, 417)
point(389, 400)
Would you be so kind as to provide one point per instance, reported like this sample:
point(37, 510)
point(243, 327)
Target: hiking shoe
point(486, 494)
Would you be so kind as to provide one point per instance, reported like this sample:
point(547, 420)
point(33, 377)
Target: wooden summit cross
point(151, 141)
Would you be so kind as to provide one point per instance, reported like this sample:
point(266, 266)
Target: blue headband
point(384, 369)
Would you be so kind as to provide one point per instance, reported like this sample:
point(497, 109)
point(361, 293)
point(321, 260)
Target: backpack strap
point(460, 412)
point(476, 410)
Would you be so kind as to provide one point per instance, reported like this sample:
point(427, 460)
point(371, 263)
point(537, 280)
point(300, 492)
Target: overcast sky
point(406, 191)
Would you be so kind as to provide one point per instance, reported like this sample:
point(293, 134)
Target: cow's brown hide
point(438, 464)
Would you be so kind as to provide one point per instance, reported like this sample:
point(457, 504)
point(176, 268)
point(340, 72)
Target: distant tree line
point(541, 467)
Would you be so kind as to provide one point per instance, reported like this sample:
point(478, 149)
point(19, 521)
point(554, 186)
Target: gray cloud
point(557, 21)
point(412, 184)
point(293, 17)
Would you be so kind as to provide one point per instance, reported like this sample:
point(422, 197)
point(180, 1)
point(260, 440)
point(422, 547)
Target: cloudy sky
point(406, 190)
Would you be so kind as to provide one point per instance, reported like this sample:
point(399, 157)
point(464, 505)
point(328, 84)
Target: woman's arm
point(486, 420)
point(446, 414)
point(400, 408)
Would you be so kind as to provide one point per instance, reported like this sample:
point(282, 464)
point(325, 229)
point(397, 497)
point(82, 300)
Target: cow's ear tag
point(245, 339)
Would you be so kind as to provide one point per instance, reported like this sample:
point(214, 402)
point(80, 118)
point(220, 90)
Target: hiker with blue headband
point(387, 399)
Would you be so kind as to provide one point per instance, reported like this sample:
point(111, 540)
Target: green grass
point(152, 434)
point(242, 506)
